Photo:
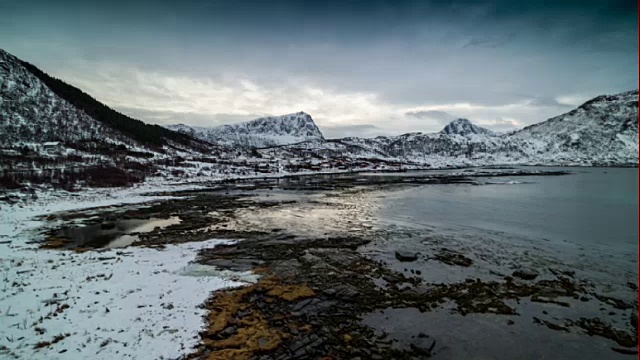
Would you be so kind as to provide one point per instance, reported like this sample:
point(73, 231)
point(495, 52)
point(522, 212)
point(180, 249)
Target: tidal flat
point(520, 262)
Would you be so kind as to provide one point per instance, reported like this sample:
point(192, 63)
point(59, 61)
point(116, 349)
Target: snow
point(464, 127)
point(603, 131)
point(119, 303)
point(30, 111)
point(262, 132)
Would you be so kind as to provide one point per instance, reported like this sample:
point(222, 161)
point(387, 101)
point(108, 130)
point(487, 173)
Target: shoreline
point(11, 198)
point(276, 294)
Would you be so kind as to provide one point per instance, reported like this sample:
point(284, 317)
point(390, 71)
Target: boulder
point(525, 274)
point(406, 255)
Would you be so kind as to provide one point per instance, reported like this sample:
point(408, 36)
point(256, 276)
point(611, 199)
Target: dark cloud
point(409, 54)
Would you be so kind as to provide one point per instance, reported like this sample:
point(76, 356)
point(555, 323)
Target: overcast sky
point(360, 68)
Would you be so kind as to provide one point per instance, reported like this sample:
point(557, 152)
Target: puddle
point(116, 234)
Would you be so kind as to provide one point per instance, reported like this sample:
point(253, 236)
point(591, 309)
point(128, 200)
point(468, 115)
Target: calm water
point(592, 205)
point(586, 222)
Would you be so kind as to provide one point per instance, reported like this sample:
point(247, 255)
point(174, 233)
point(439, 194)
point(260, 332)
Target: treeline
point(70, 179)
point(151, 135)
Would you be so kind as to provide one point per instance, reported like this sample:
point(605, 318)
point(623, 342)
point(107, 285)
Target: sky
point(360, 68)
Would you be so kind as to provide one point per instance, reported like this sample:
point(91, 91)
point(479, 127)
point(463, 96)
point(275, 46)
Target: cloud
point(442, 117)
point(575, 99)
point(502, 125)
point(230, 97)
point(339, 131)
point(491, 42)
point(548, 102)
point(190, 118)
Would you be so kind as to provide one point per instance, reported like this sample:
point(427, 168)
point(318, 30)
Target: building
point(52, 147)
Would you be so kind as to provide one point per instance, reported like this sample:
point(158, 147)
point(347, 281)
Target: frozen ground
point(126, 303)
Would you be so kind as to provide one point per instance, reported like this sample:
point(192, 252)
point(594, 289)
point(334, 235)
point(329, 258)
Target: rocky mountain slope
point(30, 111)
point(258, 133)
point(464, 127)
point(603, 131)
point(53, 133)
point(58, 111)
point(97, 146)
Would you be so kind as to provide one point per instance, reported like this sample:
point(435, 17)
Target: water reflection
point(116, 234)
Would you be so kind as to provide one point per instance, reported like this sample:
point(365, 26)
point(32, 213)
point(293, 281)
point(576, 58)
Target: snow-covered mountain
point(603, 131)
point(30, 111)
point(36, 107)
point(258, 133)
point(105, 147)
point(464, 127)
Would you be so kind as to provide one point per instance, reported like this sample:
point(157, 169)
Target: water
point(588, 219)
point(585, 222)
point(590, 206)
point(117, 234)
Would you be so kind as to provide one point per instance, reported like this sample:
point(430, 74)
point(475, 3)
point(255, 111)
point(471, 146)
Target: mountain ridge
point(261, 132)
point(36, 108)
point(464, 127)
point(143, 133)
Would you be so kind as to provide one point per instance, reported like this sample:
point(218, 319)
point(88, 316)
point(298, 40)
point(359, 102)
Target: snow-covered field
point(122, 303)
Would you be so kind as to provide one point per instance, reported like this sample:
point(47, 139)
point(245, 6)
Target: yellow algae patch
point(237, 329)
point(55, 243)
point(291, 292)
point(288, 292)
point(347, 338)
point(224, 306)
point(256, 337)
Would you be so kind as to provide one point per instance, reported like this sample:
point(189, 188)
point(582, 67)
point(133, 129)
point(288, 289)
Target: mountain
point(258, 133)
point(603, 131)
point(52, 133)
point(464, 127)
point(31, 111)
point(17, 73)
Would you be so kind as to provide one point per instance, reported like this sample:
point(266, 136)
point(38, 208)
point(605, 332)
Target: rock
point(625, 351)
point(525, 274)
point(107, 226)
point(451, 258)
point(228, 331)
point(406, 255)
point(310, 258)
point(346, 292)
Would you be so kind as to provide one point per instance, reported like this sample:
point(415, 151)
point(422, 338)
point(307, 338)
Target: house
point(52, 147)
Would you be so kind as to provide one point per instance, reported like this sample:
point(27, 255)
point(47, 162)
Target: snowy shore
point(126, 303)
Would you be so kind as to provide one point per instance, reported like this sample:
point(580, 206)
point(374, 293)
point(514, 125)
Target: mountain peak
point(464, 127)
point(261, 132)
